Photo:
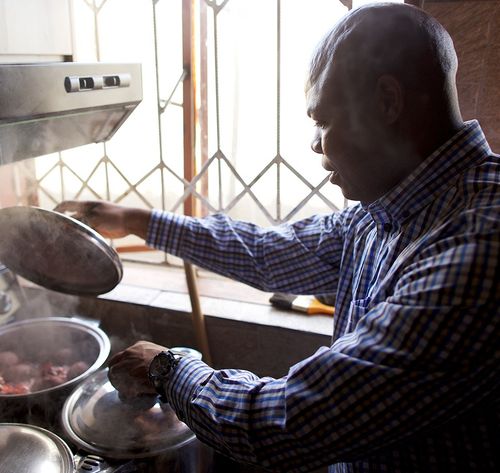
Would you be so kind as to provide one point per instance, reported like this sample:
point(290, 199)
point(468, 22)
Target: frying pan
point(57, 252)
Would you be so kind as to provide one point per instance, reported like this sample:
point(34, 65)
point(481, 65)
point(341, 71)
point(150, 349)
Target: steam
point(39, 303)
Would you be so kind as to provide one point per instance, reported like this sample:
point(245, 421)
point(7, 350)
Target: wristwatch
point(161, 369)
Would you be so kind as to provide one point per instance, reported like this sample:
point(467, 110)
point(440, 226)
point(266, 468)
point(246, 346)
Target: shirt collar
point(467, 147)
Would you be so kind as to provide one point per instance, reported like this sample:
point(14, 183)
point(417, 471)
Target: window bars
point(200, 195)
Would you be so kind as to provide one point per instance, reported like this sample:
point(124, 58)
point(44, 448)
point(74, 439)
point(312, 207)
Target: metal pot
point(101, 434)
point(95, 419)
point(49, 338)
point(30, 449)
point(26, 448)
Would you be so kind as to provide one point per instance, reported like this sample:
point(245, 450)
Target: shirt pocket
point(357, 309)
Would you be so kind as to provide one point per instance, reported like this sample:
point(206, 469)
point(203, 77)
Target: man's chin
point(337, 181)
point(349, 194)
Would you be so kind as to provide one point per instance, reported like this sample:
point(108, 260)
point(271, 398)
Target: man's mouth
point(334, 177)
point(334, 174)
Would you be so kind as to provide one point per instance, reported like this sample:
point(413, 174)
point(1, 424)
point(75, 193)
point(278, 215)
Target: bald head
point(382, 93)
point(387, 38)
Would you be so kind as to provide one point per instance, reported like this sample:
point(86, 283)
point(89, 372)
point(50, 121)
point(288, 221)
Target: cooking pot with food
point(102, 434)
point(41, 361)
point(99, 422)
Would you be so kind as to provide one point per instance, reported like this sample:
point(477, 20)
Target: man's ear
point(389, 98)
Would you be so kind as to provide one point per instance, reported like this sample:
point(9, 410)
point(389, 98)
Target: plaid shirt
point(411, 380)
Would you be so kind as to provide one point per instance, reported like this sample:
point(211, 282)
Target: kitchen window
point(229, 72)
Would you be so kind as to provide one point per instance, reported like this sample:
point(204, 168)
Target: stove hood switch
point(83, 84)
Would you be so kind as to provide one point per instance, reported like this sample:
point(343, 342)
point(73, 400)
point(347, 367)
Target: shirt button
point(387, 227)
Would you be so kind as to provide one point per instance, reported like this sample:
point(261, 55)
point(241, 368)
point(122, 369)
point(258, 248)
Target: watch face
point(160, 370)
point(161, 365)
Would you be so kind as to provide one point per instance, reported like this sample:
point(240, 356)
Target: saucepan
point(106, 435)
point(41, 361)
point(27, 448)
point(99, 422)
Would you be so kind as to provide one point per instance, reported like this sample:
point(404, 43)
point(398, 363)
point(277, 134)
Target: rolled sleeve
point(190, 374)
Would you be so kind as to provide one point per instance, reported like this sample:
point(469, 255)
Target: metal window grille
point(187, 159)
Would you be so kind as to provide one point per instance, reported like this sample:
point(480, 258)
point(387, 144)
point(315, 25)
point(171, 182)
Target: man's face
point(347, 137)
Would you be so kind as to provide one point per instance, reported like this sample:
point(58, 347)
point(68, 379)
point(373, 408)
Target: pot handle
point(96, 464)
point(91, 464)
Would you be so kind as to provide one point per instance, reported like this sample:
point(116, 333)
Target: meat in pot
point(22, 374)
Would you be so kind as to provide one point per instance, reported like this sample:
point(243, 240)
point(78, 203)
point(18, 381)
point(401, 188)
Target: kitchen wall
point(474, 26)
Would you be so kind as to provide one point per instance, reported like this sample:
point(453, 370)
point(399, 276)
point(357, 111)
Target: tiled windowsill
point(166, 287)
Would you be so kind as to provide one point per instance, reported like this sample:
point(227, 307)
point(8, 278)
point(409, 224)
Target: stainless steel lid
point(26, 448)
point(57, 251)
point(95, 419)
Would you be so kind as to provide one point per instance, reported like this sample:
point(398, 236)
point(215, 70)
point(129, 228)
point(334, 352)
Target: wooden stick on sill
point(198, 317)
point(133, 248)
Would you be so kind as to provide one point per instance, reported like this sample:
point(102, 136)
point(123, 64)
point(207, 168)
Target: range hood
point(51, 107)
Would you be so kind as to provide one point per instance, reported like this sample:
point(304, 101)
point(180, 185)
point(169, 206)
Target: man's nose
point(316, 142)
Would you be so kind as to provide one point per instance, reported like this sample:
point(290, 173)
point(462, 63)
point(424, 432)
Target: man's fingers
point(71, 206)
point(128, 369)
point(86, 211)
point(116, 358)
point(81, 208)
point(130, 379)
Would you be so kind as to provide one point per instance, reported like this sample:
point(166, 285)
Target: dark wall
point(474, 26)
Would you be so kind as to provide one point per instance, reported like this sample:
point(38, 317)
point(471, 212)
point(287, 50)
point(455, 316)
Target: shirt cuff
point(190, 374)
point(165, 230)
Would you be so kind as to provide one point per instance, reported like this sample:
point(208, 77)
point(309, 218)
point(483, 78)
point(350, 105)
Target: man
point(411, 380)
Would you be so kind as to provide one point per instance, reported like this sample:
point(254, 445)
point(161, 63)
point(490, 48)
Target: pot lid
point(57, 251)
point(26, 448)
point(97, 420)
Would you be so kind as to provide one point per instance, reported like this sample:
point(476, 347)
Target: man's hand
point(110, 220)
point(129, 369)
